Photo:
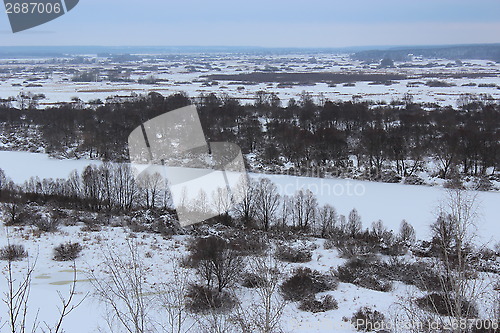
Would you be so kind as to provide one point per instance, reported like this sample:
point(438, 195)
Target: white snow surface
point(391, 203)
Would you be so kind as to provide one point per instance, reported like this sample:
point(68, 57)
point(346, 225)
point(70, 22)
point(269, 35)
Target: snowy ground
point(51, 276)
point(179, 74)
point(389, 202)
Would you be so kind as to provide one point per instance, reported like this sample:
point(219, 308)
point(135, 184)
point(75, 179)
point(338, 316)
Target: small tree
point(171, 297)
point(268, 201)
point(264, 314)
point(246, 208)
point(215, 261)
point(328, 220)
point(354, 224)
point(304, 206)
point(123, 290)
point(14, 213)
point(406, 233)
point(17, 301)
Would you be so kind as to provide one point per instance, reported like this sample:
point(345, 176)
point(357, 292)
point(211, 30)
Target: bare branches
point(17, 298)
point(123, 289)
point(171, 297)
point(67, 305)
point(264, 314)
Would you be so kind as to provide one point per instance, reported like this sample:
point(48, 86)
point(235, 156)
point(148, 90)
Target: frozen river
point(389, 202)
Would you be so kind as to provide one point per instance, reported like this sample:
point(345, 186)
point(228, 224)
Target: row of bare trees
point(105, 187)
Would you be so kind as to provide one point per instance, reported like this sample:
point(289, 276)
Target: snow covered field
point(51, 277)
point(389, 202)
point(189, 73)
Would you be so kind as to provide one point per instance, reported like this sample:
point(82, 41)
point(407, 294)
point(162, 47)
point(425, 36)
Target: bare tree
point(171, 297)
point(456, 233)
point(216, 322)
point(125, 186)
point(13, 212)
point(123, 290)
point(3, 180)
point(150, 187)
point(457, 291)
point(216, 262)
point(222, 203)
point(17, 301)
point(406, 233)
point(328, 220)
point(17, 298)
point(286, 212)
point(304, 205)
point(268, 201)
point(378, 229)
point(264, 314)
point(354, 224)
point(246, 208)
point(67, 305)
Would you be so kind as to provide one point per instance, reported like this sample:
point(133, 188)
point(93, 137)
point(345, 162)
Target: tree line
point(389, 142)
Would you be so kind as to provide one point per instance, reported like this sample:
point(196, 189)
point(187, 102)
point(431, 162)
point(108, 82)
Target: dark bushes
point(419, 274)
point(215, 261)
point(67, 251)
point(47, 224)
point(290, 254)
point(444, 305)
point(252, 280)
point(249, 243)
point(355, 248)
point(202, 299)
point(13, 252)
point(376, 275)
point(366, 319)
point(313, 305)
point(305, 283)
point(364, 273)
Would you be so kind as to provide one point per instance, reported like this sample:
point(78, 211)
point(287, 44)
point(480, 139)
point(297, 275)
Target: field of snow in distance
point(390, 203)
point(55, 81)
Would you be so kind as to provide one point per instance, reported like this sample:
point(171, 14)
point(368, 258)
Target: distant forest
point(480, 51)
point(389, 142)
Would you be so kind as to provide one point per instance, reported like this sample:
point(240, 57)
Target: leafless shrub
point(13, 252)
point(263, 314)
point(124, 291)
point(249, 243)
point(171, 297)
point(305, 283)
point(363, 273)
point(47, 224)
point(312, 305)
point(17, 301)
point(203, 299)
point(215, 261)
point(14, 213)
point(67, 251)
point(296, 255)
point(366, 319)
point(444, 305)
point(252, 280)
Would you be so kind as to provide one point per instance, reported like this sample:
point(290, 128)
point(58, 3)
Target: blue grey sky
point(267, 23)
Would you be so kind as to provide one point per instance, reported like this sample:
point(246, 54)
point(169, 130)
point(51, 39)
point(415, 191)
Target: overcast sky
point(268, 23)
